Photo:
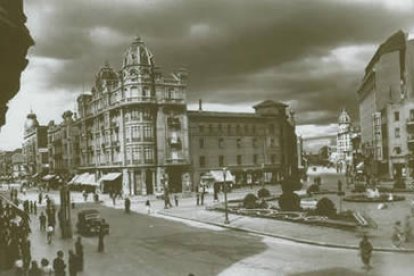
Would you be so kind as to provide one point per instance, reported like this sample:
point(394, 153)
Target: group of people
point(74, 264)
point(14, 236)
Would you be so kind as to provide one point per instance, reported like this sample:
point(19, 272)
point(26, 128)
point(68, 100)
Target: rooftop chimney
point(200, 105)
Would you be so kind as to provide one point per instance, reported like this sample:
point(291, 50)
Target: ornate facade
point(344, 143)
point(133, 125)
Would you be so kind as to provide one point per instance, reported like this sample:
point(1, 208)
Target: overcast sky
point(310, 54)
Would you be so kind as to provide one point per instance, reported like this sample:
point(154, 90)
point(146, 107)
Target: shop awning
point(48, 177)
point(89, 180)
point(73, 180)
point(219, 176)
point(110, 177)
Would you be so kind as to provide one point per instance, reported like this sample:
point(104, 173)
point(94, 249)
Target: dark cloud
point(225, 45)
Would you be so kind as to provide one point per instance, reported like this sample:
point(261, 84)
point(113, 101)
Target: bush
point(325, 207)
point(289, 202)
point(263, 192)
point(250, 201)
point(313, 189)
point(291, 184)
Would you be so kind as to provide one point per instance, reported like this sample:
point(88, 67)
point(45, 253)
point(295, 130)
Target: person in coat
point(365, 251)
point(73, 264)
point(59, 265)
point(79, 253)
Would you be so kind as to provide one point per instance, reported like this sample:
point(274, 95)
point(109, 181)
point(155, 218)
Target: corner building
point(134, 128)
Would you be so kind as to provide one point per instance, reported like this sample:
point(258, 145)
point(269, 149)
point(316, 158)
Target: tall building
point(344, 143)
point(63, 146)
point(133, 125)
point(35, 150)
point(386, 107)
point(248, 144)
point(18, 167)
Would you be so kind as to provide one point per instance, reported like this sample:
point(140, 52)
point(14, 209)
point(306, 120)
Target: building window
point(210, 128)
point(396, 116)
point(412, 115)
point(397, 150)
point(229, 129)
point(136, 134)
point(220, 127)
point(397, 132)
point(272, 142)
point(201, 128)
point(255, 159)
point(273, 159)
point(201, 143)
point(246, 129)
point(147, 114)
point(271, 128)
point(148, 133)
point(220, 143)
point(239, 159)
point(148, 155)
point(238, 143)
point(254, 142)
point(127, 134)
point(254, 129)
point(202, 161)
point(238, 129)
point(136, 154)
point(221, 161)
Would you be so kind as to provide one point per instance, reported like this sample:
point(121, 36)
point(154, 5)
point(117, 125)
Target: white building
point(343, 142)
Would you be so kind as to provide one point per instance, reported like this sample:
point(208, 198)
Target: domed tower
point(138, 72)
point(31, 123)
point(106, 79)
point(344, 144)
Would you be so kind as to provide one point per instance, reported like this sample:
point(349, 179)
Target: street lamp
point(226, 211)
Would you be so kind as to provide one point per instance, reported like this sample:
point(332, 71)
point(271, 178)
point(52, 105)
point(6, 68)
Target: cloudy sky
point(310, 54)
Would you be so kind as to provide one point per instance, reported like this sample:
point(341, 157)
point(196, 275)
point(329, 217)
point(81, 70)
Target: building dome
point(344, 117)
point(106, 76)
point(137, 54)
point(31, 121)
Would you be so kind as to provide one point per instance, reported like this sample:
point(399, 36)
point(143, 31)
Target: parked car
point(90, 221)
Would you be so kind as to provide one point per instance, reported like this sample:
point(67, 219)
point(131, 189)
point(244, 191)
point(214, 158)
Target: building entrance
point(148, 182)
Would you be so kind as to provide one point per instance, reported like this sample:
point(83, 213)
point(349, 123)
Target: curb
point(302, 241)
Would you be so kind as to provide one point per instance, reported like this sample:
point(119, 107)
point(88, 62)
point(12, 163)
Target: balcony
point(174, 123)
point(410, 138)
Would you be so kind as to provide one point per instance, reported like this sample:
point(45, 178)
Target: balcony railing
point(410, 121)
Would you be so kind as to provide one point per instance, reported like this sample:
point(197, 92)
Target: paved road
point(148, 245)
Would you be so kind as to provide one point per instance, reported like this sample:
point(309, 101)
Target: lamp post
point(226, 211)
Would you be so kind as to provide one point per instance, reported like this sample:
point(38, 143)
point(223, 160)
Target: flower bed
point(344, 221)
point(364, 199)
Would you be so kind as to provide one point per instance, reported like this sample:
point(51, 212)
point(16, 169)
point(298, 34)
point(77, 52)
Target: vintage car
point(89, 222)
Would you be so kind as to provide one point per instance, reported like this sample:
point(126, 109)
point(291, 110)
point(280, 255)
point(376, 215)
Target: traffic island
point(382, 198)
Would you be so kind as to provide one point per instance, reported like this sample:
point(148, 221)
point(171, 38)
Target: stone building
point(18, 166)
point(255, 147)
point(386, 107)
point(63, 147)
point(35, 150)
point(134, 129)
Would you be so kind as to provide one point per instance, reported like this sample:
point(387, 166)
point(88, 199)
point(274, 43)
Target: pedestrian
point(42, 219)
point(35, 270)
point(176, 200)
point(40, 198)
point(85, 195)
point(35, 208)
point(203, 191)
point(46, 268)
point(198, 198)
point(79, 253)
point(26, 253)
point(18, 268)
point(127, 205)
point(148, 206)
point(365, 251)
point(73, 263)
point(408, 230)
point(114, 199)
point(398, 235)
point(49, 234)
point(96, 197)
point(59, 265)
point(101, 236)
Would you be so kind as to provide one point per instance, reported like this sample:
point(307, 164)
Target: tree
point(250, 201)
point(325, 207)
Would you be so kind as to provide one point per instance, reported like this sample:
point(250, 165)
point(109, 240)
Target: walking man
point(365, 251)
point(101, 236)
point(79, 253)
point(127, 205)
point(49, 233)
point(73, 264)
point(59, 265)
point(148, 206)
point(42, 220)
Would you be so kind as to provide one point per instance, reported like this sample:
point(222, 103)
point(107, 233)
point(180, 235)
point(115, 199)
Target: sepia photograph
point(206, 137)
